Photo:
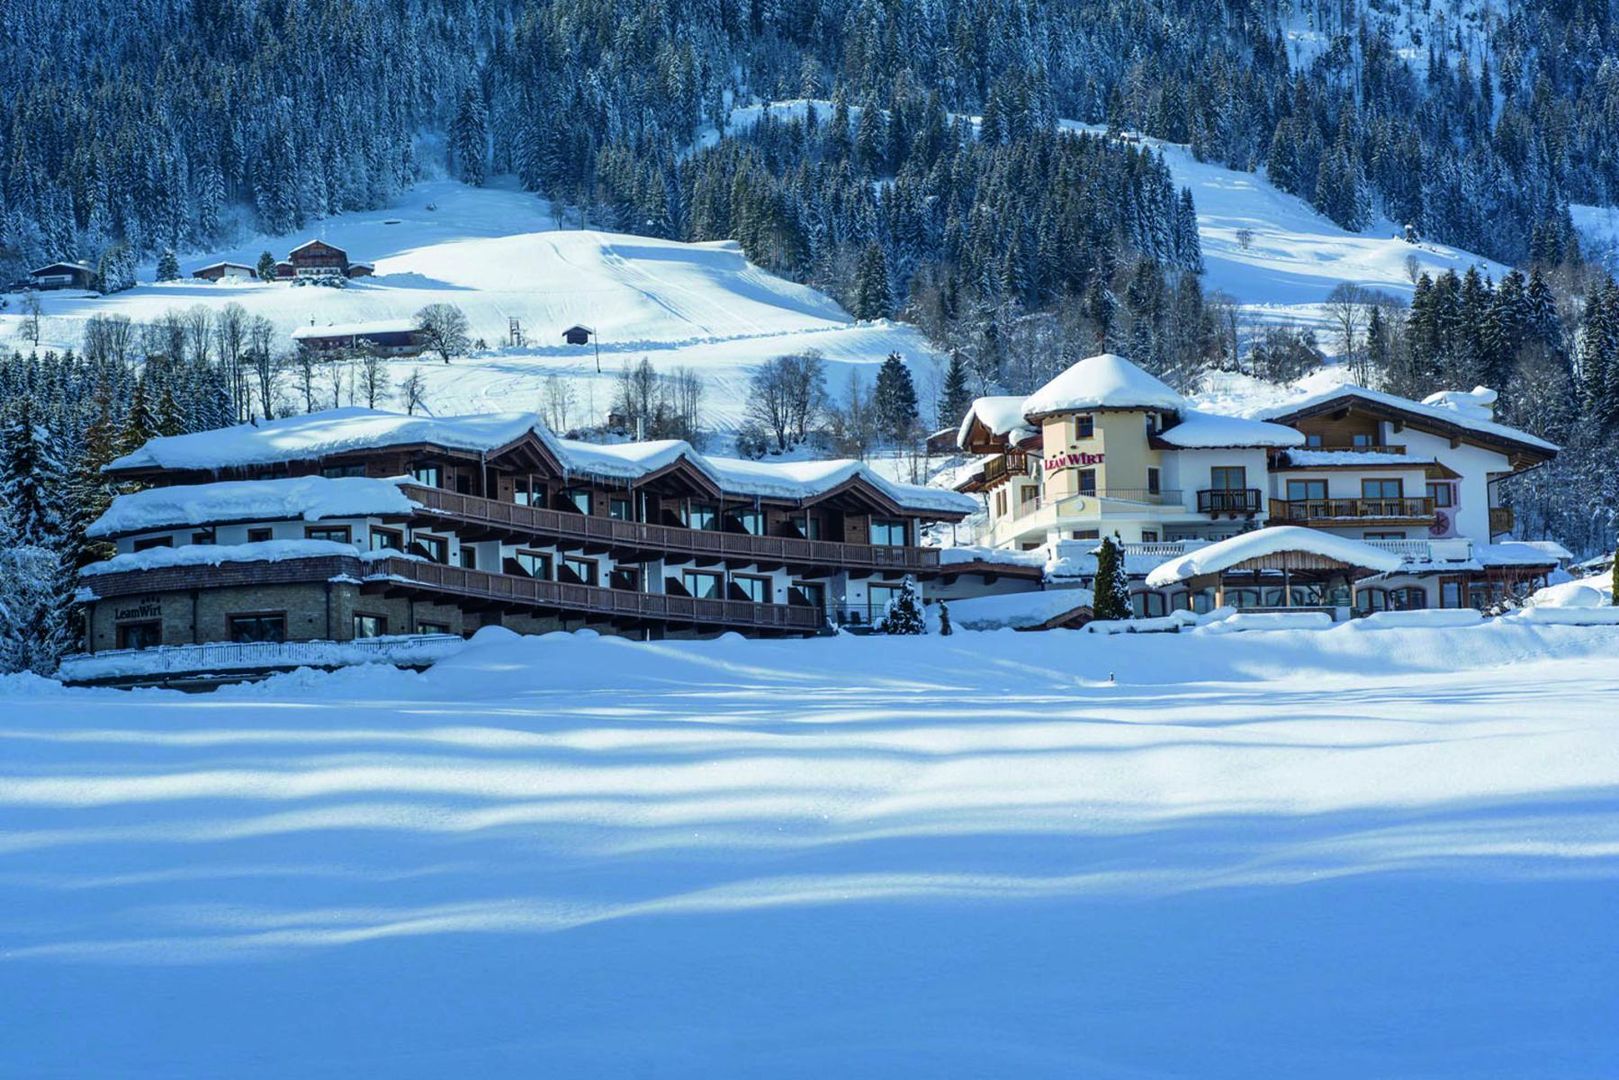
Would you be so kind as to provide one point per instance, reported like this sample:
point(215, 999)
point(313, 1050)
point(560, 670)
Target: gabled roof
point(317, 240)
point(1276, 540)
point(355, 329)
point(996, 417)
point(1104, 381)
point(220, 264)
point(1442, 419)
point(355, 430)
point(48, 267)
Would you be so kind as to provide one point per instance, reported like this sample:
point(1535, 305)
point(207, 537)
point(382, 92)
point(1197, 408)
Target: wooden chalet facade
point(386, 525)
point(63, 275)
point(317, 258)
point(225, 271)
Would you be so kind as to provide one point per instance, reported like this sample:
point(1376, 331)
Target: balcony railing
point(1306, 510)
point(593, 600)
point(1011, 463)
point(1146, 496)
point(1348, 447)
point(1228, 501)
point(634, 536)
point(476, 585)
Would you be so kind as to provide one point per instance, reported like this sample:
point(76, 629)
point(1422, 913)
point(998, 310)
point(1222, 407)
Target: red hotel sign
point(1072, 459)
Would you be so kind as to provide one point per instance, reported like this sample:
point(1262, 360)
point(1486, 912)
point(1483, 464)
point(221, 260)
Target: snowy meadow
point(1346, 853)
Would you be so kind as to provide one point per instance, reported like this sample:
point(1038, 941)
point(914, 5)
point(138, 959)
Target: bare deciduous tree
point(264, 360)
point(559, 399)
point(374, 381)
point(444, 329)
point(413, 391)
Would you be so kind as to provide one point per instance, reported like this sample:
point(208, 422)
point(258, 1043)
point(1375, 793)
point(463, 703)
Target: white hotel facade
point(1107, 450)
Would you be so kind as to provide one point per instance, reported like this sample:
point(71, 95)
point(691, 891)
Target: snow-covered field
point(498, 254)
point(1344, 853)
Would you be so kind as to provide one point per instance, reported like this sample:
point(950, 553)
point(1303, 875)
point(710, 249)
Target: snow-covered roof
point(1522, 553)
point(1446, 413)
point(808, 479)
point(1475, 404)
point(355, 329)
point(308, 497)
point(217, 554)
point(1203, 430)
point(999, 415)
point(324, 434)
point(350, 430)
point(312, 243)
point(222, 263)
point(1318, 458)
point(48, 267)
point(1272, 541)
point(1104, 381)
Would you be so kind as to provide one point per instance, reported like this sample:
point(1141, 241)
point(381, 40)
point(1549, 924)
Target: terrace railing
point(611, 533)
point(1308, 510)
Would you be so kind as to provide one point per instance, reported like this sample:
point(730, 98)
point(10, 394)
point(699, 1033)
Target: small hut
point(1285, 556)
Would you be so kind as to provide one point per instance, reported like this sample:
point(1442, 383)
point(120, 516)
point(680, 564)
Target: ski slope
point(498, 254)
point(1348, 853)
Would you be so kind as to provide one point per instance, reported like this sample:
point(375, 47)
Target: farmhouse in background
point(63, 275)
point(317, 258)
point(226, 271)
point(392, 337)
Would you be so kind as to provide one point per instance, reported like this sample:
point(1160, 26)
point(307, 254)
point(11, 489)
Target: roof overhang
point(1522, 455)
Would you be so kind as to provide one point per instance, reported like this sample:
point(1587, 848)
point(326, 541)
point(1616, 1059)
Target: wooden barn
point(63, 275)
point(225, 271)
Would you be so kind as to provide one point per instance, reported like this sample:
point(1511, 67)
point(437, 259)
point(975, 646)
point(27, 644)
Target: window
point(1087, 534)
point(1148, 605)
point(387, 540)
point(1084, 427)
point(1451, 593)
point(147, 543)
point(888, 532)
point(1410, 598)
point(205, 537)
point(580, 571)
point(576, 499)
point(878, 597)
point(751, 522)
point(753, 589)
point(525, 493)
point(1381, 489)
point(1384, 536)
point(535, 564)
point(335, 472)
point(139, 635)
point(1087, 481)
point(1149, 536)
point(807, 594)
point(259, 536)
point(337, 534)
point(257, 627)
point(701, 584)
point(627, 578)
point(1000, 503)
point(1313, 441)
point(1154, 481)
point(1372, 599)
point(469, 557)
point(700, 516)
point(1306, 490)
point(463, 484)
point(1360, 440)
point(809, 526)
point(1443, 495)
point(1228, 477)
point(620, 509)
point(427, 475)
point(369, 625)
point(432, 547)
point(432, 628)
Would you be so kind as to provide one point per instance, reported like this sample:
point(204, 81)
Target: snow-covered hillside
point(1349, 853)
point(498, 254)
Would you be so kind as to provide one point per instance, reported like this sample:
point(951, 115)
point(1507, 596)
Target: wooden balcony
point(1501, 520)
point(1314, 511)
point(508, 590)
point(474, 517)
point(470, 589)
point(1241, 502)
point(1011, 463)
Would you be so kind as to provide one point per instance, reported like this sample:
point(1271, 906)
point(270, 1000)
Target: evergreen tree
point(31, 489)
point(955, 396)
point(470, 137)
point(904, 615)
point(266, 267)
point(168, 266)
point(873, 298)
point(895, 398)
point(1112, 585)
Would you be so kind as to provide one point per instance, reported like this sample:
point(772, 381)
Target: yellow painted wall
point(1120, 437)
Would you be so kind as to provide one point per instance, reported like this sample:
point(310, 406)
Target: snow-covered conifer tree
point(1112, 584)
point(904, 614)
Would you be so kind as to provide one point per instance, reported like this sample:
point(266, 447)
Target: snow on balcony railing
point(227, 657)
